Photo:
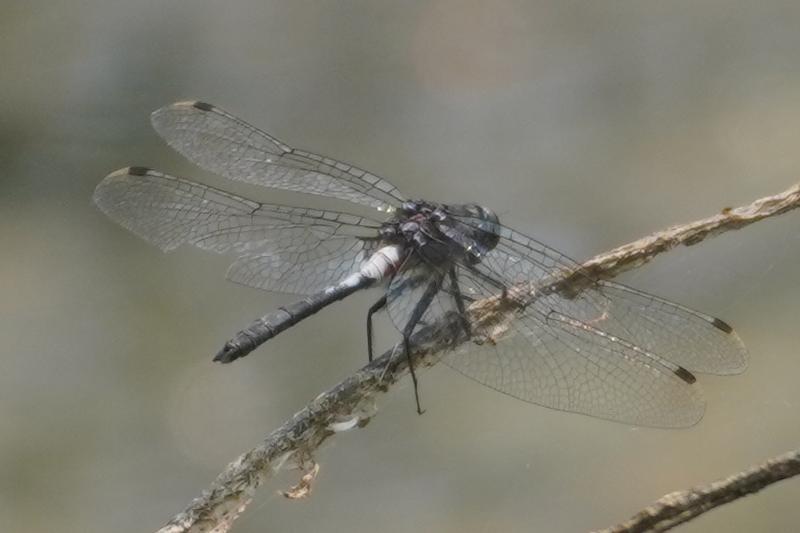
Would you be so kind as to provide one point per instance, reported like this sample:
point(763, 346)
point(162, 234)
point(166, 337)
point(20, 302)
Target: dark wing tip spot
point(685, 375)
point(202, 106)
point(721, 324)
point(138, 171)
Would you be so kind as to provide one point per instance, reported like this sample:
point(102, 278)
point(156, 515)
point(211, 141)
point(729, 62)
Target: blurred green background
point(586, 124)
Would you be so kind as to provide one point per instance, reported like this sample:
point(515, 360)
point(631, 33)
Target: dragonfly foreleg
point(374, 308)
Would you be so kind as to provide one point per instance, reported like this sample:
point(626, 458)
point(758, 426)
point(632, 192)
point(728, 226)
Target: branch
point(679, 507)
point(351, 402)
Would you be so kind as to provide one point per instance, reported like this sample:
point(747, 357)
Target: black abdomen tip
point(685, 375)
point(721, 324)
point(229, 353)
point(203, 106)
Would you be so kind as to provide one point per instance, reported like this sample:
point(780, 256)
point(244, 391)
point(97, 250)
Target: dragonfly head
point(486, 226)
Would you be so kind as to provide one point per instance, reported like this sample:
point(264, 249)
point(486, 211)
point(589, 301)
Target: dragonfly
point(562, 339)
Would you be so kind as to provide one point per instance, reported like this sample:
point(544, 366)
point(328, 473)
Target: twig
point(351, 401)
point(679, 507)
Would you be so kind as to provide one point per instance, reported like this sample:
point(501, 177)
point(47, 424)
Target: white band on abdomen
point(383, 262)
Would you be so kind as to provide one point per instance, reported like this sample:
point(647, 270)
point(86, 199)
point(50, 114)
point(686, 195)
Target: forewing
point(169, 211)
point(692, 339)
point(217, 141)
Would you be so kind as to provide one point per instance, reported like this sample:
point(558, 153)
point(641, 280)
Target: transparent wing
point(302, 270)
point(228, 146)
point(547, 358)
point(692, 339)
point(561, 363)
point(169, 211)
point(419, 282)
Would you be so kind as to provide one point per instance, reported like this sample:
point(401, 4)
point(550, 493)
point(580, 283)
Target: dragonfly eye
point(487, 214)
point(488, 234)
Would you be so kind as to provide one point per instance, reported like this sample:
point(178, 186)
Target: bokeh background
point(586, 124)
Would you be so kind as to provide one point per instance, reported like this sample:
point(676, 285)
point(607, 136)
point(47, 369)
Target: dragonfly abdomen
point(381, 264)
point(268, 326)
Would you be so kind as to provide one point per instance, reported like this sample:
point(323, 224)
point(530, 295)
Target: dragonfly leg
point(413, 373)
point(416, 315)
point(459, 298)
point(377, 306)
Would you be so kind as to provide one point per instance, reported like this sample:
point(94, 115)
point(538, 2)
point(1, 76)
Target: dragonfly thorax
point(443, 231)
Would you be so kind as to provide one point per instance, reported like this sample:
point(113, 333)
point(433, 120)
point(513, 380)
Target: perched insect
point(599, 348)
